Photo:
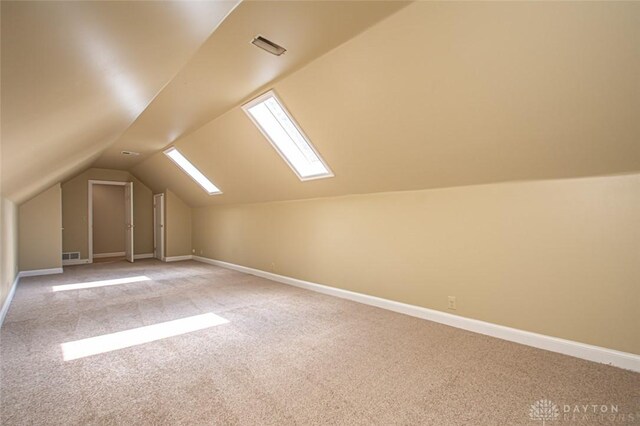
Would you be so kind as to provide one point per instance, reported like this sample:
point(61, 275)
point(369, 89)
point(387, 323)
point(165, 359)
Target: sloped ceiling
point(441, 94)
point(228, 69)
point(82, 81)
point(75, 75)
point(394, 96)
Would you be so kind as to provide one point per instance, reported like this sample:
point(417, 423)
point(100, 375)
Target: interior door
point(128, 201)
point(158, 226)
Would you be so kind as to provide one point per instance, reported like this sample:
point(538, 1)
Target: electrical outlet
point(452, 303)
point(193, 251)
point(273, 266)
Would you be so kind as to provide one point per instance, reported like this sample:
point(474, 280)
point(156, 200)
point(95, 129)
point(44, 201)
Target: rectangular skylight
point(279, 127)
point(191, 170)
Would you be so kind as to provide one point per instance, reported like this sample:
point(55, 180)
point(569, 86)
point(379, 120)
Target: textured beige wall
point(8, 247)
point(108, 219)
point(177, 226)
point(74, 211)
point(559, 257)
point(40, 231)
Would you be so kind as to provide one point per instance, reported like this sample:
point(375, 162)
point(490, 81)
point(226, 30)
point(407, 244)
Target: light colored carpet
point(286, 356)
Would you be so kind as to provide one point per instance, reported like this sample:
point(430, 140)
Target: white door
point(128, 202)
point(158, 226)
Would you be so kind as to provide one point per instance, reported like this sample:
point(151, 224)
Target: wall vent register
point(73, 255)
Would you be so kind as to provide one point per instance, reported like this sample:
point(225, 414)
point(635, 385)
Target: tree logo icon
point(544, 410)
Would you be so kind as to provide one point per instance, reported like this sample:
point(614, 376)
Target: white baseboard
point(102, 255)
point(36, 272)
point(7, 301)
point(598, 354)
point(178, 258)
point(75, 262)
point(143, 256)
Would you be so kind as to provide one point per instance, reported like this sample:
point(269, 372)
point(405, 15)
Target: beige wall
point(108, 219)
point(559, 257)
point(74, 211)
point(177, 226)
point(40, 231)
point(8, 247)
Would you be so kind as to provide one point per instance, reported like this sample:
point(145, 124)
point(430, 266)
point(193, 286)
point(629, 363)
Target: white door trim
point(129, 222)
point(158, 199)
point(90, 211)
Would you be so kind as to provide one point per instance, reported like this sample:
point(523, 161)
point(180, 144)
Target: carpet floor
point(189, 343)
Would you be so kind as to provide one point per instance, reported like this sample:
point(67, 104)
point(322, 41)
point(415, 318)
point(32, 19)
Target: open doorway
point(110, 219)
point(158, 226)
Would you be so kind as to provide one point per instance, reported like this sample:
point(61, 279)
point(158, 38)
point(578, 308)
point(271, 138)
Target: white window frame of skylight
point(173, 148)
point(272, 94)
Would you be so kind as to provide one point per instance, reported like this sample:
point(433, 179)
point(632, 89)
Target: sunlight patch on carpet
point(138, 336)
point(103, 283)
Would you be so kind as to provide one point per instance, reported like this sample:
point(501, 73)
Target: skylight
point(191, 170)
point(279, 127)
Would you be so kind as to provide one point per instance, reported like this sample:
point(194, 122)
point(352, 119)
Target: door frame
point(90, 211)
point(158, 199)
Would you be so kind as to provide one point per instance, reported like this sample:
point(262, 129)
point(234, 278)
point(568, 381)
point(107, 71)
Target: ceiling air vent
point(129, 153)
point(268, 45)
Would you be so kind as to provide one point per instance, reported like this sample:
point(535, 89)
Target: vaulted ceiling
point(394, 95)
point(438, 95)
point(75, 75)
point(82, 81)
point(227, 69)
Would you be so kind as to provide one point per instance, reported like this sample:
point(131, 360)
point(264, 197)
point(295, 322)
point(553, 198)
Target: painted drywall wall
point(558, 257)
point(441, 94)
point(108, 219)
point(177, 226)
point(74, 211)
point(8, 247)
point(40, 231)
